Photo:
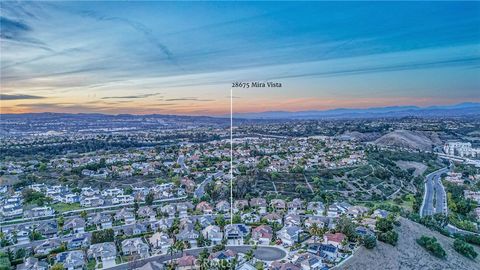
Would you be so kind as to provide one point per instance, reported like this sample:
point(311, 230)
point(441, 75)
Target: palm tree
point(249, 255)
point(316, 232)
point(180, 246)
point(171, 249)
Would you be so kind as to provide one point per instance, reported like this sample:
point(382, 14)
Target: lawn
point(64, 207)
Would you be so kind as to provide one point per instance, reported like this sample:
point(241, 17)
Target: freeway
point(434, 198)
point(264, 253)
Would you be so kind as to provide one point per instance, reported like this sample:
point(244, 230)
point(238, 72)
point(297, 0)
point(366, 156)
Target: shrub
point(465, 249)
point(432, 246)
point(389, 237)
point(472, 239)
point(370, 241)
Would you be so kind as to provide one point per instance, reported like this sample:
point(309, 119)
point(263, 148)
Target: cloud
point(18, 97)
point(12, 29)
point(141, 28)
point(17, 31)
point(133, 96)
point(188, 99)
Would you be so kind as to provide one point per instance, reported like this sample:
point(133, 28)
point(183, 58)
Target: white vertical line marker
point(231, 155)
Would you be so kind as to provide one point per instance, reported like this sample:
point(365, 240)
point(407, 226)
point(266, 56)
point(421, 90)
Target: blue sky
point(155, 57)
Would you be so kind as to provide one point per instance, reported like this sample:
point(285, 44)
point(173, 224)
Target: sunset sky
point(181, 58)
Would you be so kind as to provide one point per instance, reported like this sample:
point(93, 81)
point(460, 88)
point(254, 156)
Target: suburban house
point(309, 261)
point(146, 212)
point(278, 204)
point(292, 220)
point(48, 229)
point(240, 205)
point(186, 262)
point(104, 252)
point(226, 255)
point(189, 235)
point(213, 233)
point(296, 206)
point(204, 207)
point(126, 216)
point(259, 204)
point(235, 233)
point(47, 246)
point(222, 206)
point(273, 218)
point(80, 241)
point(135, 246)
point(289, 235)
point(102, 221)
point(75, 225)
point(71, 260)
point(262, 234)
point(32, 263)
point(335, 239)
point(160, 241)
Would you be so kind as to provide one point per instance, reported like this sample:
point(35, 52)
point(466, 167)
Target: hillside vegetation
point(407, 254)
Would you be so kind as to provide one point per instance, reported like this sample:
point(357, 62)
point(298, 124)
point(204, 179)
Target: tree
point(390, 237)
point(4, 261)
point(316, 232)
point(346, 226)
point(249, 255)
point(432, 246)
point(35, 235)
point(83, 214)
point(20, 253)
point(370, 241)
point(180, 246)
point(237, 218)
point(57, 266)
point(203, 260)
point(149, 198)
point(465, 249)
point(61, 221)
point(220, 221)
point(384, 225)
point(103, 236)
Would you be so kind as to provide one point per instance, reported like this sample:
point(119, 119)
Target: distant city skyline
point(181, 58)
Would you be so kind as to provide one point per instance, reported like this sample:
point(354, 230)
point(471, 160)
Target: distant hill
point(408, 254)
point(409, 139)
point(463, 109)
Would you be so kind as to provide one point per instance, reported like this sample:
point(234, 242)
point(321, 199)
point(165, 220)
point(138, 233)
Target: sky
point(182, 57)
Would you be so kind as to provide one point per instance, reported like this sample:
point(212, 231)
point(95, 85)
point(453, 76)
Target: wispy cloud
point(18, 97)
point(133, 96)
point(188, 99)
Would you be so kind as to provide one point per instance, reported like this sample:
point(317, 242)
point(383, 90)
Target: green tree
point(384, 225)
point(316, 232)
point(346, 226)
point(103, 236)
point(220, 221)
point(369, 241)
point(237, 218)
point(149, 198)
point(390, 237)
point(432, 246)
point(465, 249)
point(57, 266)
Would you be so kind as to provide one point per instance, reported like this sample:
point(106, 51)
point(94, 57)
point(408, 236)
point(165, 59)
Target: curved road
point(434, 190)
point(265, 253)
